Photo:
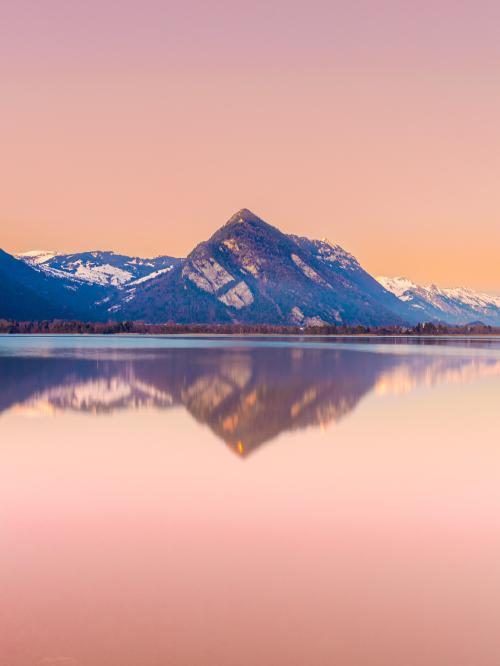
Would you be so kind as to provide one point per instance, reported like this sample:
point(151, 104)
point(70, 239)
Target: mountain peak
point(243, 215)
point(36, 256)
point(453, 305)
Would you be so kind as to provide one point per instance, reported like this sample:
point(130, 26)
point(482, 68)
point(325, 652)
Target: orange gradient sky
point(142, 126)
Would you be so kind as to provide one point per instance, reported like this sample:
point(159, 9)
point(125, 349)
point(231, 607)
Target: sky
point(142, 126)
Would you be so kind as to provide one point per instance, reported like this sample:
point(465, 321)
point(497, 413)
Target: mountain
point(28, 293)
point(451, 305)
point(104, 268)
point(346, 265)
point(247, 272)
point(250, 272)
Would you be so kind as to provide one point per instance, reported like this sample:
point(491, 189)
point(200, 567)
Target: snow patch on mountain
point(471, 297)
point(36, 257)
point(330, 252)
point(397, 285)
point(151, 276)
point(453, 304)
point(103, 268)
point(103, 274)
point(334, 253)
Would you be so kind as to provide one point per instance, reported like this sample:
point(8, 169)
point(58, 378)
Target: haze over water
point(239, 501)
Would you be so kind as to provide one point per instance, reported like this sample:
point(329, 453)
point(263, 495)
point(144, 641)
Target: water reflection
point(247, 396)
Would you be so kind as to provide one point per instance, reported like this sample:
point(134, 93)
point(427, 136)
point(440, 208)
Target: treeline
point(59, 326)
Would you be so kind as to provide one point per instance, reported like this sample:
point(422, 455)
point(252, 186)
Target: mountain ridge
point(246, 272)
point(26, 292)
point(103, 267)
point(453, 305)
point(250, 272)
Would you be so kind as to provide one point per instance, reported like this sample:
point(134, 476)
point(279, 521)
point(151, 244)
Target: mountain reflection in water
point(247, 396)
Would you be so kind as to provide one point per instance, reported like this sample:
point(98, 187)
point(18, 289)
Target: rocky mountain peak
point(242, 216)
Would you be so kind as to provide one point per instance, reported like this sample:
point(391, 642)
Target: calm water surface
point(243, 502)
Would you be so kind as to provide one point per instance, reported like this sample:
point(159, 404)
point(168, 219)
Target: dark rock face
point(28, 294)
point(250, 272)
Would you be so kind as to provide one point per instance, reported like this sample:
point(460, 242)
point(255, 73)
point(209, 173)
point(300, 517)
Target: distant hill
point(451, 305)
point(105, 268)
point(29, 293)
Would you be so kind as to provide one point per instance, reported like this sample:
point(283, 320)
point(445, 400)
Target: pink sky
point(142, 126)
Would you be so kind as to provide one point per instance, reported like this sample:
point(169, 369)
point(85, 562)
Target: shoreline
point(138, 328)
point(363, 336)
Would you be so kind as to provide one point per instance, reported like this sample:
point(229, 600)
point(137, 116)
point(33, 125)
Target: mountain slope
point(27, 293)
point(247, 272)
point(250, 272)
point(334, 257)
point(451, 305)
point(104, 268)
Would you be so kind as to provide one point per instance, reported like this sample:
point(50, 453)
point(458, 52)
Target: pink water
point(237, 506)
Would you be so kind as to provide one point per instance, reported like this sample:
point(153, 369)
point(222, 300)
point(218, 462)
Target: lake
point(216, 501)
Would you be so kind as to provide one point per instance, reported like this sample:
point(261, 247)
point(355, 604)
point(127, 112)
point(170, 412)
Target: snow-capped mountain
point(250, 272)
point(36, 257)
point(28, 293)
point(102, 268)
point(458, 305)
